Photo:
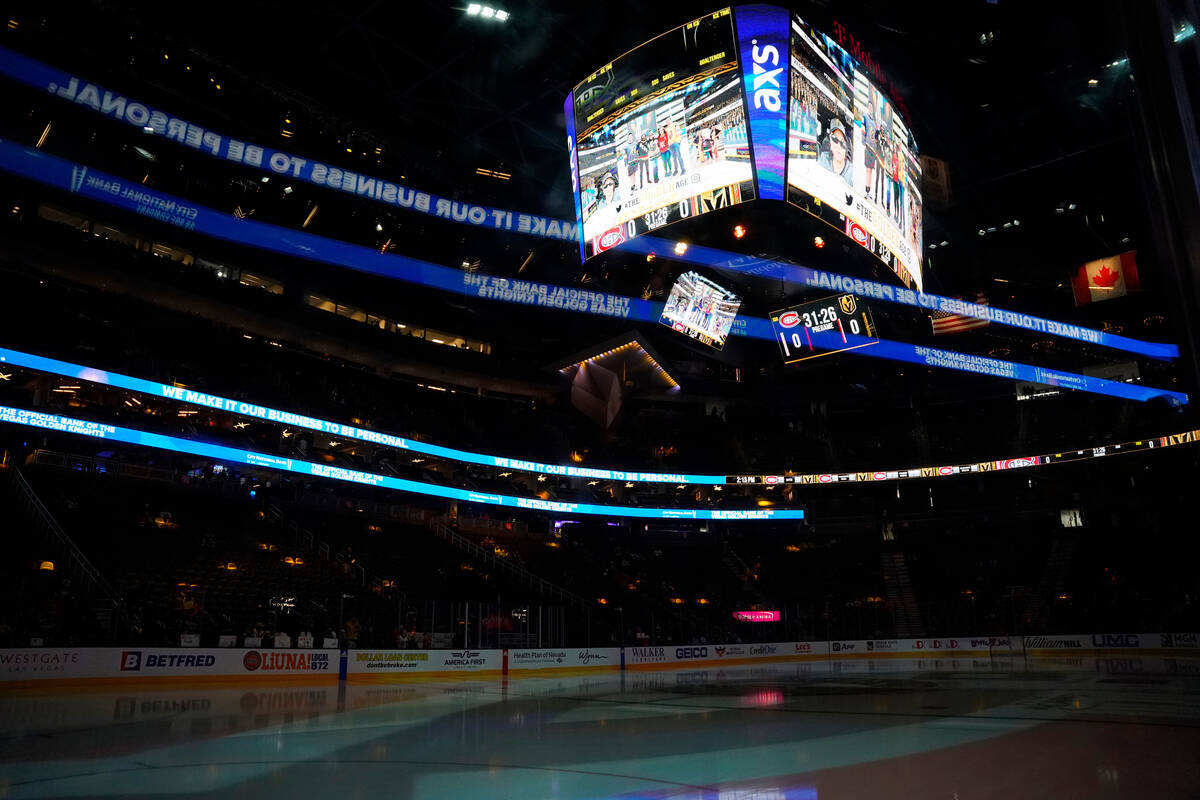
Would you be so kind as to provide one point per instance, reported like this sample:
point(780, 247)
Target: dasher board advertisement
point(661, 134)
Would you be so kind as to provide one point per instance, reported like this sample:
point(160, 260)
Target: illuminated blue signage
point(268, 414)
point(761, 40)
point(54, 422)
point(569, 115)
point(275, 162)
point(873, 290)
point(762, 33)
point(180, 394)
point(131, 196)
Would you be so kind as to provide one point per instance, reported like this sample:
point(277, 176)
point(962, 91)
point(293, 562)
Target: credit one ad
point(851, 158)
point(661, 134)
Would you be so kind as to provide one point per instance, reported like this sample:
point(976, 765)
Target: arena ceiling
point(424, 78)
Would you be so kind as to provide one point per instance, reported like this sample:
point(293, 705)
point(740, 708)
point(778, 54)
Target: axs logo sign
point(767, 91)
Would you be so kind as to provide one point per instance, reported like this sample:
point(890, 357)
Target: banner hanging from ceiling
point(156, 122)
point(133, 197)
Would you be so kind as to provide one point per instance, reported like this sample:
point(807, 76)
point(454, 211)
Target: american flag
point(947, 322)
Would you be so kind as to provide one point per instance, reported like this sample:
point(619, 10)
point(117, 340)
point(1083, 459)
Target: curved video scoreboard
point(747, 103)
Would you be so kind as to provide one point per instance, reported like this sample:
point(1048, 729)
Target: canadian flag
point(1106, 278)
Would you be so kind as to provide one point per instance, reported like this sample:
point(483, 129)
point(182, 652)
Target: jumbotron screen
point(660, 134)
point(701, 309)
point(748, 103)
point(849, 149)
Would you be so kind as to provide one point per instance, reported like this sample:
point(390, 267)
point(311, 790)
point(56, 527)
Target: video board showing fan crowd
point(851, 158)
point(661, 135)
point(701, 309)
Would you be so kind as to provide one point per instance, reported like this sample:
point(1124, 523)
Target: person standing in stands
point(643, 155)
point(652, 154)
point(352, 630)
point(664, 152)
point(631, 164)
point(675, 142)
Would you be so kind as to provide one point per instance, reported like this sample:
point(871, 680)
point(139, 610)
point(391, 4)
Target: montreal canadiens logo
point(252, 660)
point(825, 478)
point(858, 233)
point(945, 470)
point(789, 319)
point(879, 476)
point(772, 479)
point(610, 239)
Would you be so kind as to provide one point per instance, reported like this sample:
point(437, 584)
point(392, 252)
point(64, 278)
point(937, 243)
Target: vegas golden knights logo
point(717, 198)
point(847, 303)
point(1180, 438)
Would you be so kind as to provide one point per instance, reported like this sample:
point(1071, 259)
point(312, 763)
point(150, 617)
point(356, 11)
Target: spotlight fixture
point(487, 12)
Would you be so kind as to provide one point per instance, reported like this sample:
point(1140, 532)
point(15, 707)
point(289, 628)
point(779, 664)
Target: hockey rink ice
point(1065, 728)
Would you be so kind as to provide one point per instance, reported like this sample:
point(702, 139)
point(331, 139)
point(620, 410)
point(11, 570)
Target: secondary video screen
point(837, 316)
point(850, 150)
point(661, 134)
point(701, 309)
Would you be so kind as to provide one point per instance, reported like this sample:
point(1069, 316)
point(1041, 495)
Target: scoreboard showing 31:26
point(843, 317)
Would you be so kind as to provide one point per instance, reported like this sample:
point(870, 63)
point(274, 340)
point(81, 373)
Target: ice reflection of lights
point(763, 698)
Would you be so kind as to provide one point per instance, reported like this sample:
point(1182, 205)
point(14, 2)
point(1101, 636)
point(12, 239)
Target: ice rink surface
point(965, 729)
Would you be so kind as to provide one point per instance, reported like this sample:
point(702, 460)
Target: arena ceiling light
point(478, 10)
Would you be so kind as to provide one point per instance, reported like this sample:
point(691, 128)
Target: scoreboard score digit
point(841, 314)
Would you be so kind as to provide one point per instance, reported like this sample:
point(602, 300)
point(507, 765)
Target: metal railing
point(103, 466)
point(308, 540)
point(77, 564)
point(523, 575)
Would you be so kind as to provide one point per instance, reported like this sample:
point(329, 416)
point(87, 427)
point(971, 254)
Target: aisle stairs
point(900, 595)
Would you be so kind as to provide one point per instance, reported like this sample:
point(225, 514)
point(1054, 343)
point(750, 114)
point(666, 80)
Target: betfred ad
point(134, 664)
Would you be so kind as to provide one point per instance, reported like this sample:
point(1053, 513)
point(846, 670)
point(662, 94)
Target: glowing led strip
point(81, 92)
point(268, 414)
point(129, 196)
point(77, 372)
point(286, 165)
point(873, 290)
point(55, 422)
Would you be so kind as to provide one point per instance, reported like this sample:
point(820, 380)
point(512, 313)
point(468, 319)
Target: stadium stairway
point(524, 577)
point(86, 582)
point(1036, 615)
point(900, 594)
point(744, 574)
